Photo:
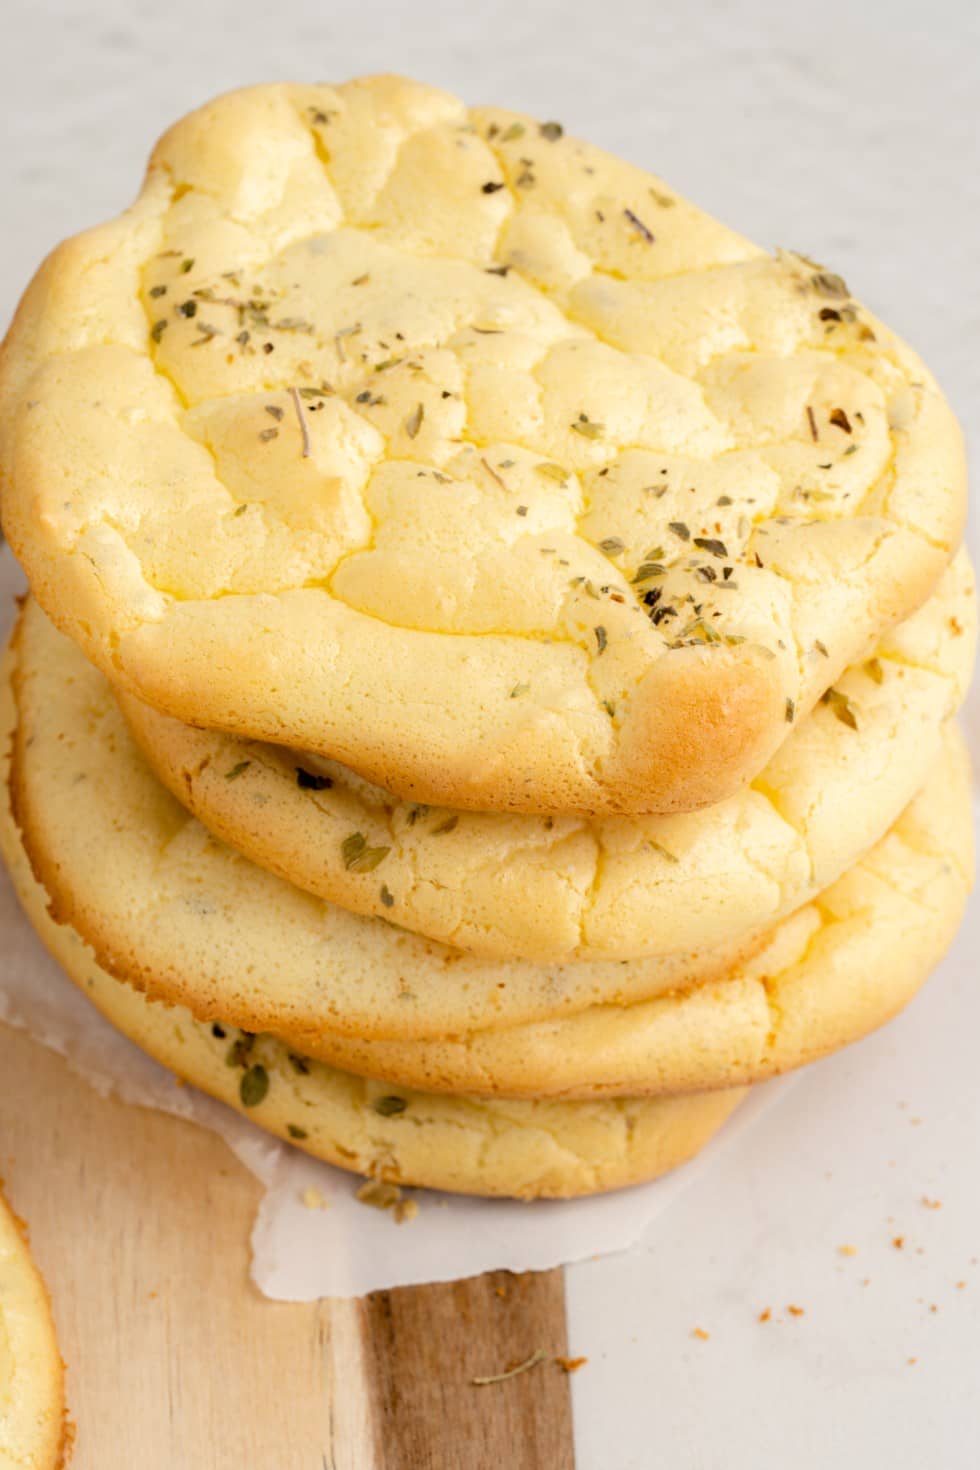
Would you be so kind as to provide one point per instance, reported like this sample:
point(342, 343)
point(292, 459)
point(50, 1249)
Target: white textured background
point(848, 130)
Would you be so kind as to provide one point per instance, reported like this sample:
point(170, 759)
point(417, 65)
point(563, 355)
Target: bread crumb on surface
point(848, 1250)
point(700, 1334)
point(313, 1199)
point(766, 1314)
point(796, 1311)
point(571, 1365)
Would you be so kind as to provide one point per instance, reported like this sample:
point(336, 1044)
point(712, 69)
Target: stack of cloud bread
point(486, 695)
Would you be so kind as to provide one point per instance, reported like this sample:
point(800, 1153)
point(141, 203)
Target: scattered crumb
point(766, 1314)
point(960, 1285)
point(866, 1281)
point(151, 1296)
point(700, 1334)
point(405, 1210)
point(932, 1204)
point(795, 1311)
point(848, 1250)
point(313, 1199)
point(912, 1361)
point(501, 1291)
point(898, 1241)
point(379, 1194)
point(933, 1307)
point(571, 1365)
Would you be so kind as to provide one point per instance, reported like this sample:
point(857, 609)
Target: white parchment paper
point(311, 1237)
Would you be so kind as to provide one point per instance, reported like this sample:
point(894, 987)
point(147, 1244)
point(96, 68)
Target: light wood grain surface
point(140, 1224)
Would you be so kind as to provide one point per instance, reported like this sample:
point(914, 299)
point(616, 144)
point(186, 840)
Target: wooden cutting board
point(140, 1224)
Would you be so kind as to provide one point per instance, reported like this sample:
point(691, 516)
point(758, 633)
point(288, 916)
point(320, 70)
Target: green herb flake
point(358, 857)
point(649, 569)
point(295, 1131)
point(601, 638)
point(641, 229)
point(612, 545)
point(709, 544)
point(414, 421)
point(826, 283)
point(387, 897)
point(390, 1106)
point(237, 770)
point(299, 1064)
point(157, 330)
point(552, 131)
point(841, 707)
point(681, 530)
point(587, 428)
point(790, 711)
point(449, 825)
point(662, 851)
point(515, 131)
point(552, 472)
point(609, 708)
point(253, 1086)
point(186, 266)
point(520, 689)
point(310, 781)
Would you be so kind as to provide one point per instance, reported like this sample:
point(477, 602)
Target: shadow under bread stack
point(486, 696)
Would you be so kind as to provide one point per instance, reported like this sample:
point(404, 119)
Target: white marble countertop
point(846, 131)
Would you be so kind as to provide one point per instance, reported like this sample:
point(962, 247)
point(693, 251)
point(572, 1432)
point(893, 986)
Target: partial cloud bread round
point(553, 889)
point(449, 447)
point(528, 1150)
point(32, 1391)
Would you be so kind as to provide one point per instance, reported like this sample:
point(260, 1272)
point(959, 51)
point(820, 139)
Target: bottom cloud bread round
point(831, 973)
point(32, 1398)
point(523, 1149)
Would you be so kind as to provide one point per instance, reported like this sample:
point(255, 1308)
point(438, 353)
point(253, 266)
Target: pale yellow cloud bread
point(559, 888)
point(455, 450)
point(528, 1150)
point(169, 909)
point(32, 1395)
point(832, 972)
point(167, 906)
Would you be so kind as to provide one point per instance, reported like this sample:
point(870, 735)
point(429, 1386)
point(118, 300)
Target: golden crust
point(33, 1429)
point(553, 889)
point(478, 500)
point(528, 1150)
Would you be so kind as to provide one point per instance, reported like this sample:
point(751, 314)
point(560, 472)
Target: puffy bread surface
point(554, 889)
point(451, 448)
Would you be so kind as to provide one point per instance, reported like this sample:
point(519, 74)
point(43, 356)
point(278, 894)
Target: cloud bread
point(833, 971)
point(453, 449)
point(32, 1396)
point(524, 1149)
point(168, 907)
point(558, 888)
